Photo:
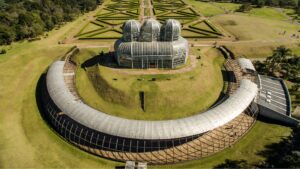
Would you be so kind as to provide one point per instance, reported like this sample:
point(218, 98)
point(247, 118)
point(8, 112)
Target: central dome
point(150, 31)
point(131, 30)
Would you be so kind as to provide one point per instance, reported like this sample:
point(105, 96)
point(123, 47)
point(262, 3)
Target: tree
point(88, 5)
point(31, 5)
point(3, 5)
point(6, 35)
point(246, 7)
point(279, 55)
point(282, 53)
point(26, 19)
point(260, 3)
point(2, 51)
point(285, 154)
point(295, 71)
point(228, 164)
point(287, 67)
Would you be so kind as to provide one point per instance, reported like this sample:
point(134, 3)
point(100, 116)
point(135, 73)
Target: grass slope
point(228, 6)
point(255, 28)
point(267, 12)
point(26, 141)
point(204, 8)
point(166, 98)
point(259, 50)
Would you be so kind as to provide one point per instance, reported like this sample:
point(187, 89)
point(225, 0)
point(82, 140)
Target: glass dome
point(131, 30)
point(150, 31)
point(170, 30)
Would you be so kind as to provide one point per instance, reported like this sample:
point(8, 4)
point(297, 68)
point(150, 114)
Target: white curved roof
point(246, 64)
point(138, 129)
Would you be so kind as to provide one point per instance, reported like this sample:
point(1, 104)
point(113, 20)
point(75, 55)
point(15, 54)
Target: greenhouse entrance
point(152, 65)
point(147, 63)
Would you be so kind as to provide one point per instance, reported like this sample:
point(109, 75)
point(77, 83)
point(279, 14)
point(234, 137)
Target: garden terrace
point(108, 22)
point(194, 26)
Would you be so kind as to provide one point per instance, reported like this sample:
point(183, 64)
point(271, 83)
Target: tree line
point(23, 19)
point(281, 3)
point(260, 3)
point(282, 63)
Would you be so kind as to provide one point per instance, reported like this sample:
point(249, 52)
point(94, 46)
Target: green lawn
point(259, 35)
point(246, 27)
point(26, 140)
point(259, 50)
point(89, 27)
point(228, 6)
point(296, 50)
point(212, 9)
point(289, 11)
point(247, 148)
point(108, 18)
point(166, 98)
point(204, 8)
point(267, 12)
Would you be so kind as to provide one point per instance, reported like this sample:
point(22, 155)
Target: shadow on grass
point(233, 164)
point(104, 59)
point(42, 98)
point(271, 121)
point(228, 76)
point(283, 154)
point(40, 87)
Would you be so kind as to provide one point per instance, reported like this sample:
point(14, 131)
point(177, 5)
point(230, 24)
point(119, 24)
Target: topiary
point(2, 51)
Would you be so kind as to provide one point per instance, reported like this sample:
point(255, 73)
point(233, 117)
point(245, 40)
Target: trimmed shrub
point(2, 51)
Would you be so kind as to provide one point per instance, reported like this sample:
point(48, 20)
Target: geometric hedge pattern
point(109, 21)
point(193, 25)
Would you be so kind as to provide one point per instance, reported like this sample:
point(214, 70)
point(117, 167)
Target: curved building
point(154, 142)
point(151, 45)
point(165, 141)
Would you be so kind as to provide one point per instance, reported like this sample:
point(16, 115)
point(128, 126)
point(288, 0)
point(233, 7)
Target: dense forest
point(259, 3)
point(282, 3)
point(23, 19)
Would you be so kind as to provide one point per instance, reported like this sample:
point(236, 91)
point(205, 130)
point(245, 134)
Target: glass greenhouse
point(151, 45)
